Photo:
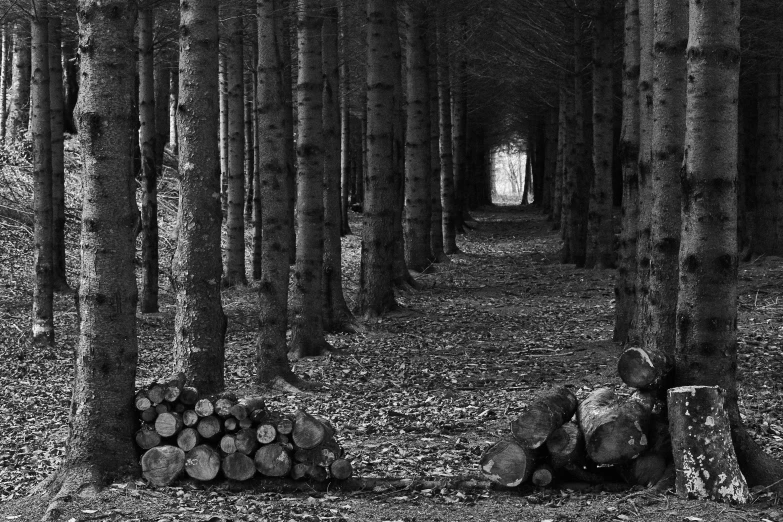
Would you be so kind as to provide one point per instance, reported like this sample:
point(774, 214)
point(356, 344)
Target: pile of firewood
point(202, 436)
point(654, 436)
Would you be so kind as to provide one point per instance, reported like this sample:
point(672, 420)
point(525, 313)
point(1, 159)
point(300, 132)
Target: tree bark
point(543, 415)
point(251, 137)
point(418, 201)
point(436, 218)
point(600, 243)
point(234, 265)
point(307, 331)
point(149, 169)
point(162, 74)
point(5, 52)
point(336, 315)
point(199, 324)
point(41, 131)
point(173, 108)
point(18, 117)
point(625, 282)
point(56, 109)
point(550, 164)
point(558, 213)
point(288, 89)
point(100, 443)
point(223, 119)
point(345, 120)
point(448, 201)
point(459, 119)
point(376, 295)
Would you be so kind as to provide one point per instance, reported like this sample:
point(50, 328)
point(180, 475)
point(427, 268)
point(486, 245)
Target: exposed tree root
point(759, 468)
point(442, 258)
point(308, 347)
point(294, 385)
point(454, 251)
point(63, 486)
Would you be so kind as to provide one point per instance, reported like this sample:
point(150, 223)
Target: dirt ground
point(418, 395)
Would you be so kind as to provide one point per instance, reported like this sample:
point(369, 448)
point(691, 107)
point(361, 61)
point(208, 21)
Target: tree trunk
point(56, 101)
point(234, 268)
point(376, 295)
point(460, 126)
point(18, 117)
point(41, 131)
point(173, 108)
point(436, 218)
point(336, 316)
point(162, 73)
point(288, 87)
point(70, 85)
point(223, 121)
point(448, 201)
point(561, 175)
point(199, 324)
point(149, 169)
point(600, 244)
point(307, 331)
point(251, 140)
point(625, 282)
point(5, 52)
point(418, 202)
point(641, 321)
point(100, 446)
point(550, 164)
point(345, 121)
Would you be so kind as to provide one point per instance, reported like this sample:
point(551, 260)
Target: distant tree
point(376, 294)
point(18, 118)
point(41, 132)
point(436, 217)
point(100, 444)
point(57, 112)
point(199, 324)
point(448, 201)
point(345, 120)
point(5, 54)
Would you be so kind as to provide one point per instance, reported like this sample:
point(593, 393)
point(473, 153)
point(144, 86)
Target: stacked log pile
point(609, 437)
point(202, 437)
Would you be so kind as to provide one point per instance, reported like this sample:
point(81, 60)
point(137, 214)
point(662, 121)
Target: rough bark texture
point(550, 164)
point(41, 132)
point(173, 104)
point(307, 332)
point(668, 135)
point(5, 55)
point(162, 76)
point(345, 121)
point(376, 295)
point(100, 443)
point(234, 265)
point(703, 453)
point(560, 175)
point(625, 283)
point(251, 137)
point(56, 111)
point(543, 415)
point(337, 317)
point(18, 117)
point(436, 218)
point(600, 241)
point(641, 319)
point(149, 168)
point(459, 111)
point(418, 202)
point(447, 197)
point(199, 324)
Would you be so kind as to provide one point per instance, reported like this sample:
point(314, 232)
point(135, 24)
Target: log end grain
point(238, 466)
point(341, 469)
point(507, 463)
point(273, 460)
point(162, 465)
point(202, 463)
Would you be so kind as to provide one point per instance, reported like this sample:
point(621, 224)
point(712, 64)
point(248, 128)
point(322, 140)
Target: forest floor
point(420, 394)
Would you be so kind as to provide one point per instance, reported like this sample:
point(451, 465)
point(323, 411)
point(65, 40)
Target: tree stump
point(162, 465)
point(507, 463)
point(704, 455)
point(543, 415)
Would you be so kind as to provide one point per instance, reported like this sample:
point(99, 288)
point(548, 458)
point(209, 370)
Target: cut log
point(566, 445)
point(223, 407)
point(317, 473)
point(231, 424)
point(188, 396)
point(543, 415)
point(649, 467)
point(162, 408)
point(162, 465)
point(142, 401)
point(246, 423)
point(149, 415)
point(299, 470)
point(209, 427)
point(204, 408)
point(190, 418)
point(507, 463)
point(308, 431)
point(202, 462)
point(615, 429)
point(188, 438)
point(285, 426)
point(643, 368)
point(238, 466)
point(147, 437)
point(177, 407)
point(173, 387)
point(341, 469)
point(168, 424)
point(259, 416)
point(266, 433)
point(228, 444)
point(155, 393)
point(246, 441)
point(273, 460)
point(703, 451)
point(246, 406)
point(543, 476)
point(322, 455)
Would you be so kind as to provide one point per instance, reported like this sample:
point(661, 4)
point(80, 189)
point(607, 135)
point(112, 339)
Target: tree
point(336, 315)
point(436, 218)
point(234, 271)
point(100, 446)
point(272, 368)
point(18, 119)
point(307, 330)
point(376, 294)
point(149, 167)
point(5, 51)
point(199, 324)
point(418, 204)
point(345, 121)
point(41, 131)
point(706, 352)
point(448, 201)
point(625, 283)
point(56, 110)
